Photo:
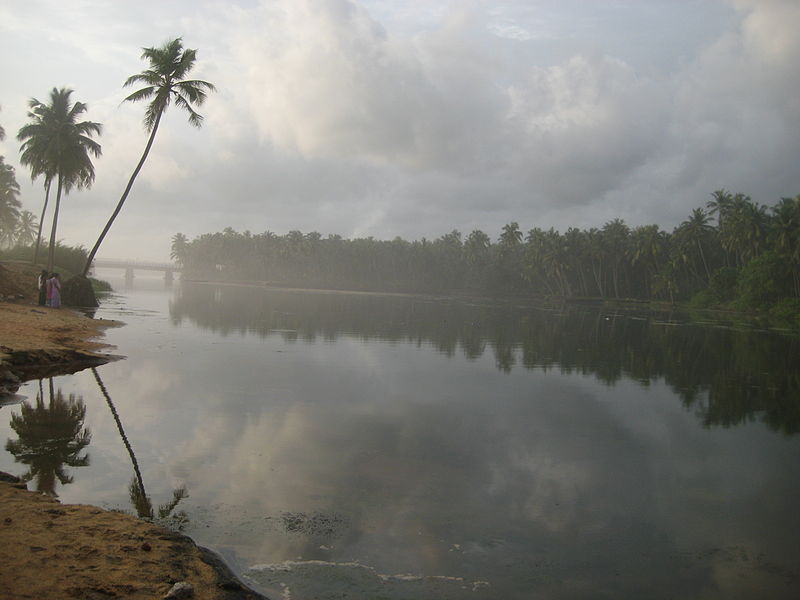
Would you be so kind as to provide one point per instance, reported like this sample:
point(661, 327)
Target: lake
point(334, 445)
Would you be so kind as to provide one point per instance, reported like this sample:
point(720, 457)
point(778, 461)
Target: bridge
point(169, 269)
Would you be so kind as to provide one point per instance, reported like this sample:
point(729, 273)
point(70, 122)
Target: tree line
point(733, 250)
point(16, 226)
point(58, 145)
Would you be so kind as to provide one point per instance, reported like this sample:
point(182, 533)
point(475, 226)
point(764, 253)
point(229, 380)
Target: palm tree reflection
point(51, 437)
point(139, 499)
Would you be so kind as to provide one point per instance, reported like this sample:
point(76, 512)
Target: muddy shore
point(62, 551)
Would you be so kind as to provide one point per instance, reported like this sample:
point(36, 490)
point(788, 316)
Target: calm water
point(357, 446)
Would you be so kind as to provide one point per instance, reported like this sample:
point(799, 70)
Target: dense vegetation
point(748, 259)
point(67, 259)
point(16, 226)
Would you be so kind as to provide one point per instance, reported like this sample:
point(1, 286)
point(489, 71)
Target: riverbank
point(36, 341)
point(67, 551)
point(57, 551)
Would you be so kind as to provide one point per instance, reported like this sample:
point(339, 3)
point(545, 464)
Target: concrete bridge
point(169, 269)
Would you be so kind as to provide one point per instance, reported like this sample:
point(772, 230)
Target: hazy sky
point(416, 117)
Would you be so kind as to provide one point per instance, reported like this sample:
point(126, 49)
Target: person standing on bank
point(54, 291)
point(42, 287)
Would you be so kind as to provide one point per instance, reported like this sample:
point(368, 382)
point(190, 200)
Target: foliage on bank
point(66, 258)
point(748, 260)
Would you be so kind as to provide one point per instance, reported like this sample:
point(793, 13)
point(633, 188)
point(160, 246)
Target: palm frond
point(195, 90)
point(142, 94)
point(148, 77)
point(195, 118)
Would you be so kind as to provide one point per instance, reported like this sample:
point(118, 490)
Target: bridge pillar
point(128, 275)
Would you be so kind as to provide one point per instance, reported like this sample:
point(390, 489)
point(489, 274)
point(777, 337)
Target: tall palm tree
point(720, 205)
point(9, 203)
point(694, 231)
point(50, 437)
point(138, 495)
point(58, 146)
point(784, 235)
point(164, 84)
point(35, 159)
point(26, 228)
point(178, 248)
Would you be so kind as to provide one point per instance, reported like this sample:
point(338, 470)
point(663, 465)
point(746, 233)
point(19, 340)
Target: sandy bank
point(68, 551)
point(37, 341)
point(40, 342)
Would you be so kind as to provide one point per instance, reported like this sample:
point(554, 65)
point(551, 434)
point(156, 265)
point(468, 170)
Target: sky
point(412, 118)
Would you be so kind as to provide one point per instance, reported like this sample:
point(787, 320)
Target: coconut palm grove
point(733, 252)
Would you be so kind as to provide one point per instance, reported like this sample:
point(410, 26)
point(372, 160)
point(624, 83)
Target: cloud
point(377, 118)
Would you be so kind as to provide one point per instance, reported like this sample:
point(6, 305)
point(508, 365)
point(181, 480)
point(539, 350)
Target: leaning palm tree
point(164, 84)
point(139, 498)
point(58, 146)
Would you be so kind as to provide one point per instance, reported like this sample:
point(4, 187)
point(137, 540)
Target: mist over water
point(411, 447)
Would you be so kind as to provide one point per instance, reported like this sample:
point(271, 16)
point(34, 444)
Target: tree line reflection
point(727, 376)
point(52, 436)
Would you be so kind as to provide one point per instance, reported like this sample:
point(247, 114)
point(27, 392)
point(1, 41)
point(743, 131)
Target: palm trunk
point(51, 251)
point(134, 462)
point(138, 168)
point(41, 222)
point(705, 264)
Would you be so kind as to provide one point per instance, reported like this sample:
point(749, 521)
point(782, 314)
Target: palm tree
point(615, 241)
point(694, 230)
point(138, 495)
point(164, 83)
point(50, 437)
point(34, 158)
point(9, 204)
point(508, 272)
point(56, 145)
point(26, 228)
point(784, 235)
point(647, 248)
point(720, 205)
point(178, 248)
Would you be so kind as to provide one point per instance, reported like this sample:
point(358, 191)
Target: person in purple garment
point(54, 291)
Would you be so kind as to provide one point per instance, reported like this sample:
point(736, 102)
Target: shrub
point(68, 258)
point(704, 299)
point(787, 311)
point(722, 285)
point(763, 281)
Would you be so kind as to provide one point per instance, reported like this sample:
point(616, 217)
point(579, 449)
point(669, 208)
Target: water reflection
point(138, 495)
point(727, 376)
point(51, 437)
point(360, 446)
